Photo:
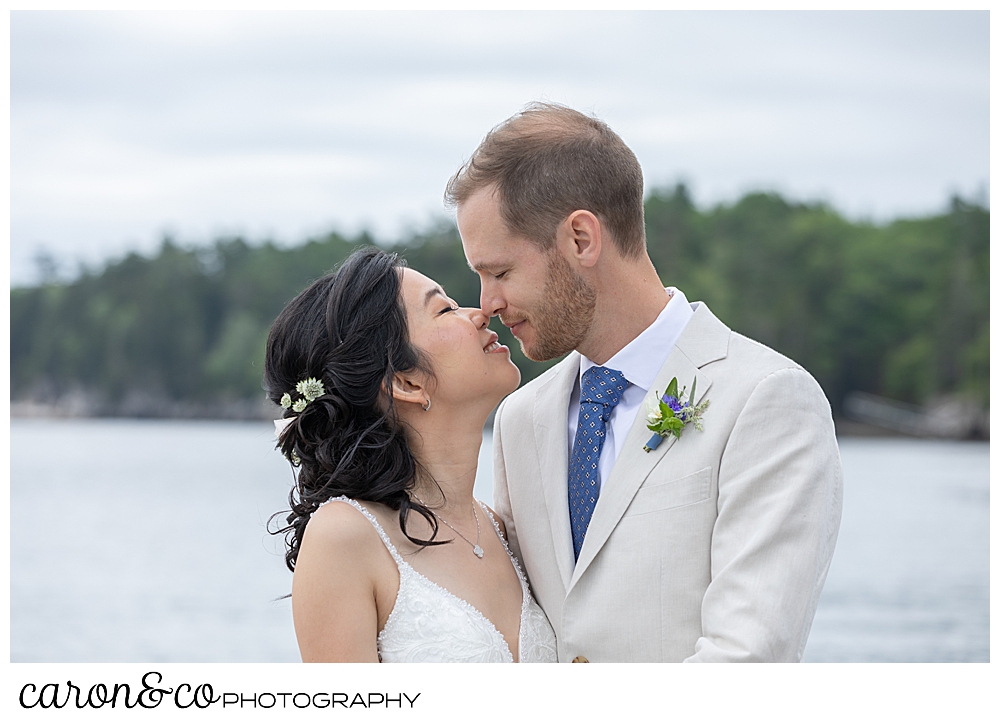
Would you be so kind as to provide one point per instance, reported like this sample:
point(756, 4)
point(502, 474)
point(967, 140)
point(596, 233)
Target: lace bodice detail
point(428, 624)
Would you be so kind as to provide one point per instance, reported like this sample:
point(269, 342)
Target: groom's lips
point(515, 327)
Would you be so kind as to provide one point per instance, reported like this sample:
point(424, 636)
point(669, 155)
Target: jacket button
point(580, 659)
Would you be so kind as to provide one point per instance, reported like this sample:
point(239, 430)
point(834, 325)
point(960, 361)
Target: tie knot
point(601, 385)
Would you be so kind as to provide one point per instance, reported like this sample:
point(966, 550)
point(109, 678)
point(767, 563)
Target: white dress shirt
point(639, 361)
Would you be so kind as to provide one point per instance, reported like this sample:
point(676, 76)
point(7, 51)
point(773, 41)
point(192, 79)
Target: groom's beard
point(562, 319)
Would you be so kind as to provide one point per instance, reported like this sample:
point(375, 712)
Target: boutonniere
point(670, 414)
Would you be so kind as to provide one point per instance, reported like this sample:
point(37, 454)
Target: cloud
point(283, 124)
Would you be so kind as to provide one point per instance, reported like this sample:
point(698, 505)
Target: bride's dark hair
point(348, 330)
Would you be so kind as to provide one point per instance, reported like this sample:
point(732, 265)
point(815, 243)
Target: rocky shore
point(865, 415)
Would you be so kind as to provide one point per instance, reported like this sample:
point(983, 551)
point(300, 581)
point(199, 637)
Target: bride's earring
point(427, 407)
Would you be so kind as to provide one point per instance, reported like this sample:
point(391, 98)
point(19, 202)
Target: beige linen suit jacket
point(713, 547)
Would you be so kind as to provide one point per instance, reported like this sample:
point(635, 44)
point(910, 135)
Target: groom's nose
point(489, 301)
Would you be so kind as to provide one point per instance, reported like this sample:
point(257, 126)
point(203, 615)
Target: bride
point(387, 384)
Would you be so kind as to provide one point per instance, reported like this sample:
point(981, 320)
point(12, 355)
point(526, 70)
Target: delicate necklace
point(476, 549)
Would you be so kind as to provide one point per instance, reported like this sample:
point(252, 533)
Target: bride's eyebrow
point(437, 290)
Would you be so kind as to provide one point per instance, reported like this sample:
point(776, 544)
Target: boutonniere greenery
point(670, 414)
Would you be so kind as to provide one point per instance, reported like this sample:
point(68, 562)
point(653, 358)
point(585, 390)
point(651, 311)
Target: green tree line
point(899, 309)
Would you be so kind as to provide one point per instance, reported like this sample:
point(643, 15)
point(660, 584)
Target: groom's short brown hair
point(548, 161)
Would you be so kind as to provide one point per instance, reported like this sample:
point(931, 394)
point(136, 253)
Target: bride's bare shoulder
point(341, 574)
point(339, 526)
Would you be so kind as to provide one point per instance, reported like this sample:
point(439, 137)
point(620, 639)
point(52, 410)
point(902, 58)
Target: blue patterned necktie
point(600, 390)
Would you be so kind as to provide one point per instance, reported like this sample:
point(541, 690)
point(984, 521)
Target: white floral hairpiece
point(310, 389)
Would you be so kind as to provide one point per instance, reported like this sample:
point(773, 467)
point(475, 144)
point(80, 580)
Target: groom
point(712, 547)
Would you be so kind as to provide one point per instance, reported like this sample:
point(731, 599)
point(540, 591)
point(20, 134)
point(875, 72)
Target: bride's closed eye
point(447, 309)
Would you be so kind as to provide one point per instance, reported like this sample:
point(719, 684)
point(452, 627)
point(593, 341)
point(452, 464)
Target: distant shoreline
point(247, 411)
point(79, 408)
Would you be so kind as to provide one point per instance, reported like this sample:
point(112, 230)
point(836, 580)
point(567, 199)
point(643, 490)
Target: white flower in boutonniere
point(670, 414)
point(653, 413)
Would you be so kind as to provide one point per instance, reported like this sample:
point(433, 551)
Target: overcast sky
point(125, 127)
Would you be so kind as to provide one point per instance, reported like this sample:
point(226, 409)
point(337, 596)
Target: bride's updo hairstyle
point(349, 331)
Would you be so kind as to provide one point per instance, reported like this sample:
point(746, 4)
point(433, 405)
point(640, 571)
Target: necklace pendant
point(477, 551)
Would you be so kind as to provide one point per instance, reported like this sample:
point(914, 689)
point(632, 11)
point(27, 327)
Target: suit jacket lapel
point(705, 339)
point(551, 444)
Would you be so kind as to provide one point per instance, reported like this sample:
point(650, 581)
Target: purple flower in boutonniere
point(670, 414)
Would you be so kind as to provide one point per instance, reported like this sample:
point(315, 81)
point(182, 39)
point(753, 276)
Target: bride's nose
point(478, 317)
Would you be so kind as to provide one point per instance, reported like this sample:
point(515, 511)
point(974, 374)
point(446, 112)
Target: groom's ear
point(580, 235)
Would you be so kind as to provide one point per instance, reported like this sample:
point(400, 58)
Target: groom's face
point(537, 294)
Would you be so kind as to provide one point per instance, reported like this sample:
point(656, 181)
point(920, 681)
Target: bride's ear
point(409, 389)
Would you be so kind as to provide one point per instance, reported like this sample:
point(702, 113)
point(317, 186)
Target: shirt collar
point(641, 359)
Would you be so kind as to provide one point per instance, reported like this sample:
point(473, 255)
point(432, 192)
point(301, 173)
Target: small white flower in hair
point(286, 400)
point(310, 388)
point(299, 405)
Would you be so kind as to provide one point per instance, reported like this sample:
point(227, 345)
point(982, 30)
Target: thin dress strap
point(371, 518)
point(513, 559)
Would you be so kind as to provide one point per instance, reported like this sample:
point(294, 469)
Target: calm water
point(136, 541)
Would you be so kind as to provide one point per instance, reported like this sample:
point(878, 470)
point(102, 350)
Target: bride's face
point(469, 365)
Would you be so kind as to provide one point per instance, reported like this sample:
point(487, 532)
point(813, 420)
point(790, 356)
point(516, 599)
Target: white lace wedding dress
point(428, 624)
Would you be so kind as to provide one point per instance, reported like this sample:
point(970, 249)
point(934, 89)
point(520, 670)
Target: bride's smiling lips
point(493, 345)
